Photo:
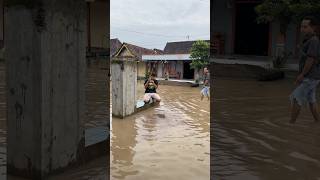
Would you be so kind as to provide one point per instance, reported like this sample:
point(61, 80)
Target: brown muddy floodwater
point(252, 139)
point(167, 142)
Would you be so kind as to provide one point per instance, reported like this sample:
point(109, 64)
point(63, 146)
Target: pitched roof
point(181, 47)
point(139, 51)
point(158, 51)
point(115, 44)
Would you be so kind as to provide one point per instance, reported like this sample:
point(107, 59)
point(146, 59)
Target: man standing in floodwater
point(151, 86)
point(309, 71)
point(206, 84)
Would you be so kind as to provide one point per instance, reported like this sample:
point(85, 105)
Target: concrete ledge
point(96, 143)
point(95, 135)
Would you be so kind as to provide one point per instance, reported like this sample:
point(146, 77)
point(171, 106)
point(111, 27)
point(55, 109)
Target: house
point(135, 52)
point(236, 32)
point(115, 44)
point(175, 61)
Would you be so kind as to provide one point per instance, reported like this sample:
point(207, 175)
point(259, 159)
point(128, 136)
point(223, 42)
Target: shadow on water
point(252, 138)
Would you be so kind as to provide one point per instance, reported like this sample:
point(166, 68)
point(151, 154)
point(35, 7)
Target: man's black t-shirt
point(151, 88)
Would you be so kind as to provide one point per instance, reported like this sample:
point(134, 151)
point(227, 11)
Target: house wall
point(141, 69)
point(180, 68)
point(99, 26)
point(160, 72)
point(223, 19)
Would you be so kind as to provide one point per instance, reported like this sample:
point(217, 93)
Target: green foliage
point(281, 60)
point(147, 75)
point(286, 11)
point(200, 53)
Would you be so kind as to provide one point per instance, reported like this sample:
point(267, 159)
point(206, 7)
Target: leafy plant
point(281, 60)
point(200, 53)
point(286, 11)
point(147, 75)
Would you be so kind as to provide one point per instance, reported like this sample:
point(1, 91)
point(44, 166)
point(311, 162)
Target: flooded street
point(167, 142)
point(252, 138)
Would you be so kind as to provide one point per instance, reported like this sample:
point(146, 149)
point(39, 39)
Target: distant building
point(235, 27)
point(175, 61)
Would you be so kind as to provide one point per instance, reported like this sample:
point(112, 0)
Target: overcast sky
point(153, 23)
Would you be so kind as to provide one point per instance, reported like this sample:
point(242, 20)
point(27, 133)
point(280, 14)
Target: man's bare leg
point(315, 112)
point(156, 97)
point(146, 98)
point(295, 111)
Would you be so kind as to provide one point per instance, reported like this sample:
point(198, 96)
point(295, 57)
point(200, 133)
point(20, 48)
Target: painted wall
point(160, 70)
point(99, 14)
point(180, 68)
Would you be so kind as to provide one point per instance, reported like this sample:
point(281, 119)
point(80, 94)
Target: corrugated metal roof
point(167, 57)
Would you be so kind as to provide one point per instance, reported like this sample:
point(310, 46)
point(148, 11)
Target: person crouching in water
point(206, 84)
point(151, 86)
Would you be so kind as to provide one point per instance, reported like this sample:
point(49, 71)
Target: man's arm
point(306, 69)
point(155, 84)
point(146, 83)
point(309, 62)
point(311, 59)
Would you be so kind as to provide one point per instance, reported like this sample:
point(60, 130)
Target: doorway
point(251, 38)
point(188, 73)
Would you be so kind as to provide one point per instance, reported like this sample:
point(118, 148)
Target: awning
point(167, 57)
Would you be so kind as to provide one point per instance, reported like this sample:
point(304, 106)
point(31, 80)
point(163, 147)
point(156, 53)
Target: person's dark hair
point(314, 22)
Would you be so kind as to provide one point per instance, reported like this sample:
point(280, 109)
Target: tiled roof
point(115, 44)
point(139, 51)
point(181, 47)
